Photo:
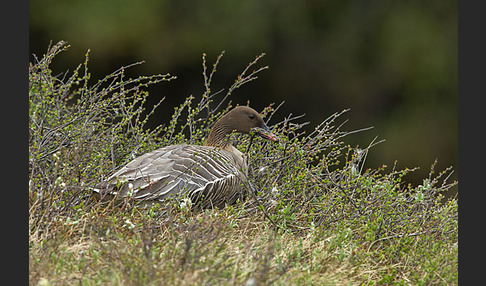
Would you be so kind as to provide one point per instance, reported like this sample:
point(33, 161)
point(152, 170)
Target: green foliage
point(313, 215)
point(393, 63)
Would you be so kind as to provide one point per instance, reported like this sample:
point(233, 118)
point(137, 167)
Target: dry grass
point(315, 215)
point(206, 248)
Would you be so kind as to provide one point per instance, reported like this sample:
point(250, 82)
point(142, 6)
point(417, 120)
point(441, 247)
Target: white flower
point(58, 181)
point(251, 282)
point(128, 224)
point(275, 191)
point(43, 282)
point(186, 204)
point(130, 190)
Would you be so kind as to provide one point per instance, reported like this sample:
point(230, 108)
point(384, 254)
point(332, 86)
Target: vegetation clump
point(314, 216)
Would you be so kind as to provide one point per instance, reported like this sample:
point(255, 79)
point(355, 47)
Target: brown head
point(241, 119)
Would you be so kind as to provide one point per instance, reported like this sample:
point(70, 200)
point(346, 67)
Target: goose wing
point(201, 171)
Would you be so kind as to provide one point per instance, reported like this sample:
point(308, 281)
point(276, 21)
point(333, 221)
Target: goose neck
point(218, 136)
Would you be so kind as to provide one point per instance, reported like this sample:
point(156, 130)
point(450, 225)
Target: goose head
point(241, 119)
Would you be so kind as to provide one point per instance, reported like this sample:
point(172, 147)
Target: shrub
point(314, 216)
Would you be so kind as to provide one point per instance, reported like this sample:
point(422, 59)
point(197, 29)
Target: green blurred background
point(393, 63)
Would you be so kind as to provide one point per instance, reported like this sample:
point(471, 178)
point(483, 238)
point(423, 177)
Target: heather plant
point(314, 213)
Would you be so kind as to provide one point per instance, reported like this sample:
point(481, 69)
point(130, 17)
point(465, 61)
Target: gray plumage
point(212, 175)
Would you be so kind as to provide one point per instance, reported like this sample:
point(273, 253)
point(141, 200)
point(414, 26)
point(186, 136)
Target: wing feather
point(203, 172)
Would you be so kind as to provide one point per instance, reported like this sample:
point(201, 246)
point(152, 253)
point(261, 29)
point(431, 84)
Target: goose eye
point(251, 116)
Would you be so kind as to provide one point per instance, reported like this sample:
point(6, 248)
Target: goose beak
point(265, 133)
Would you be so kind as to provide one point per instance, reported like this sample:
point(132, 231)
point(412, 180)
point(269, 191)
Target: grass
point(314, 215)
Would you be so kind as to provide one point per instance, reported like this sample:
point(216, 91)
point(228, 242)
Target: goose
point(212, 175)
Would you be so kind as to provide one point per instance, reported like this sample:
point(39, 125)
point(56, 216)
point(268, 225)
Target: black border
point(15, 49)
point(472, 76)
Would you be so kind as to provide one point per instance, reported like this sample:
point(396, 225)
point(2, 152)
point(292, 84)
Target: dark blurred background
point(393, 63)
